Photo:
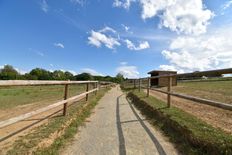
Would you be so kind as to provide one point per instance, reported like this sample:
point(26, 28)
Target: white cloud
point(44, 6)
point(123, 3)
point(128, 71)
point(97, 38)
point(38, 52)
point(142, 45)
point(107, 29)
point(182, 16)
point(73, 72)
point(80, 2)
point(60, 45)
point(227, 5)
point(126, 28)
point(198, 53)
point(91, 71)
point(123, 63)
point(20, 71)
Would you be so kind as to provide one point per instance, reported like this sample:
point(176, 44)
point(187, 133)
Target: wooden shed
point(162, 82)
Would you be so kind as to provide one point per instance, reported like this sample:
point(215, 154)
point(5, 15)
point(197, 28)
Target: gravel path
point(116, 127)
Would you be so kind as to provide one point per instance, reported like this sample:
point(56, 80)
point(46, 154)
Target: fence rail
point(170, 92)
point(97, 86)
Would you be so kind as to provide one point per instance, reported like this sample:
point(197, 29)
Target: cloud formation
point(189, 17)
point(123, 3)
point(128, 71)
point(110, 38)
point(44, 6)
point(142, 45)
point(198, 53)
point(60, 45)
point(91, 71)
point(98, 38)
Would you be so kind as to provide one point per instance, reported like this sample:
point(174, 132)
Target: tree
point(58, 75)
point(8, 73)
point(84, 77)
point(69, 76)
point(41, 74)
point(119, 78)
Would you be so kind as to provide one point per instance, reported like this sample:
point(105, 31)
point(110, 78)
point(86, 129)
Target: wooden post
point(148, 87)
point(134, 84)
point(139, 85)
point(95, 86)
point(65, 97)
point(87, 89)
point(169, 91)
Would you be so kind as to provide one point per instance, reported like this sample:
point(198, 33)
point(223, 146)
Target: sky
point(106, 37)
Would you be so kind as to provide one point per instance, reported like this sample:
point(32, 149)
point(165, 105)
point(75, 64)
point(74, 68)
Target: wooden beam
point(39, 82)
point(221, 105)
point(30, 114)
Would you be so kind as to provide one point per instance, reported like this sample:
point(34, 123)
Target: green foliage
point(84, 76)
point(9, 73)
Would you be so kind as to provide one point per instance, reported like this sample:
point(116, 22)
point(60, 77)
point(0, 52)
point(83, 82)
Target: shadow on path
point(122, 147)
point(148, 131)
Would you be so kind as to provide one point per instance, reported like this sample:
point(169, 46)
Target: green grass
point(216, 90)
point(192, 135)
point(76, 113)
point(213, 90)
point(11, 97)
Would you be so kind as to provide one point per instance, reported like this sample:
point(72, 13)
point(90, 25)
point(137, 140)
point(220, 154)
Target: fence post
point(139, 85)
point(87, 89)
point(169, 91)
point(148, 87)
point(65, 97)
point(95, 86)
point(134, 84)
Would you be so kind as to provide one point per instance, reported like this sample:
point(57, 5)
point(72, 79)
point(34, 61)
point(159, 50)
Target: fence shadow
point(122, 147)
point(148, 131)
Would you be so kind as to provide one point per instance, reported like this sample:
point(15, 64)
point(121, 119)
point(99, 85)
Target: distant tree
point(119, 78)
point(69, 76)
point(41, 74)
point(58, 75)
point(9, 73)
point(84, 77)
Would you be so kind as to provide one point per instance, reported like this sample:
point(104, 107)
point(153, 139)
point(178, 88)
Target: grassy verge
point(50, 137)
point(191, 135)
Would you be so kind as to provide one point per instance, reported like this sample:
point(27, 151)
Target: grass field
point(11, 97)
point(214, 90)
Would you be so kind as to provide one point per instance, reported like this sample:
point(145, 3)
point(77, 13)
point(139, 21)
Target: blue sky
point(109, 36)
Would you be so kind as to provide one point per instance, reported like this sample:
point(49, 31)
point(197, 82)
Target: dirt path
point(217, 117)
point(116, 127)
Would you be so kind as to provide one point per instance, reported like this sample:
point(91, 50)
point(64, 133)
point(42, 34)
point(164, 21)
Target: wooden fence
point(64, 102)
point(170, 92)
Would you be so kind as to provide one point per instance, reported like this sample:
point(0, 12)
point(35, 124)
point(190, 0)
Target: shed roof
point(161, 71)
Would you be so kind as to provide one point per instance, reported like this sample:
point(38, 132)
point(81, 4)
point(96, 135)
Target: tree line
point(8, 72)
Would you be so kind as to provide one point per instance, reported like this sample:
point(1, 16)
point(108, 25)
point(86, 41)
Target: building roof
point(163, 71)
point(207, 73)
